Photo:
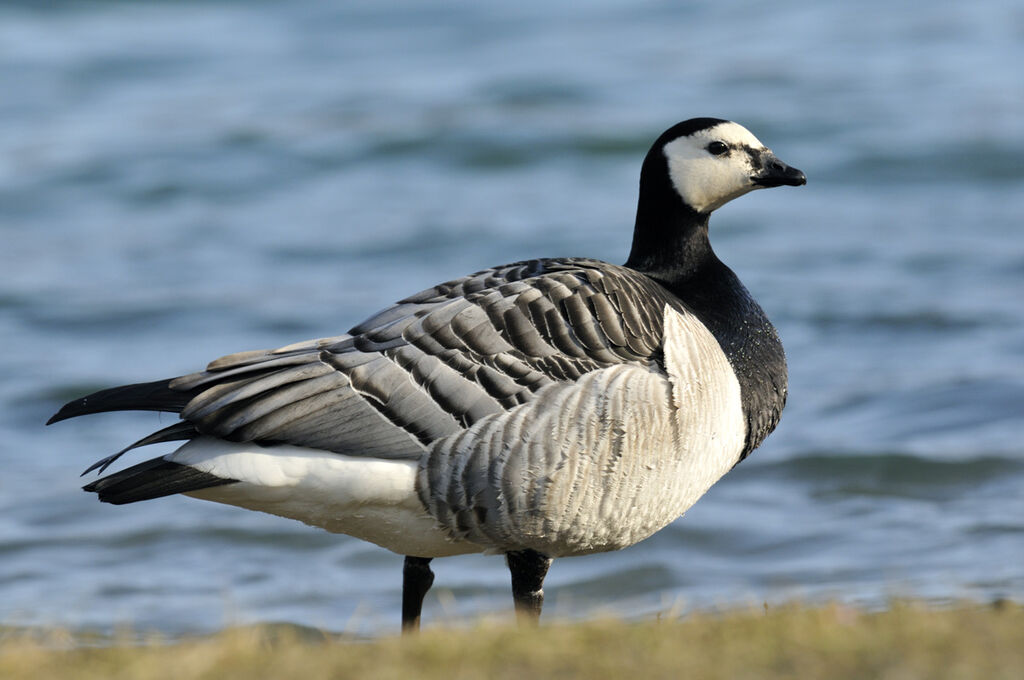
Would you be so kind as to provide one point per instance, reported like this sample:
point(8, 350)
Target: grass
point(908, 640)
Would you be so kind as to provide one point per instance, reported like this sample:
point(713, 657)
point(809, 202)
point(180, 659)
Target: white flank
point(369, 498)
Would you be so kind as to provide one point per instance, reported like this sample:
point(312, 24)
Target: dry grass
point(906, 641)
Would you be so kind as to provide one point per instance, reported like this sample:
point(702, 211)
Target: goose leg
point(528, 568)
point(416, 581)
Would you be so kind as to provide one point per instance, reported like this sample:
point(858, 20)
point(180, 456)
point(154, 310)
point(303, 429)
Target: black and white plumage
point(541, 409)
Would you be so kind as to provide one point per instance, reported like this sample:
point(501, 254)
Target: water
point(183, 180)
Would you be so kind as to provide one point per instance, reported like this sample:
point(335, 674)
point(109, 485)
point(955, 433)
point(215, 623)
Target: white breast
point(708, 406)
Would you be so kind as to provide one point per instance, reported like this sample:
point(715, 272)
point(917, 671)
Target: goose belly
point(369, 498)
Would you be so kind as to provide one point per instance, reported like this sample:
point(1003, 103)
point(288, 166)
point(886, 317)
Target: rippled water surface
point(183, 180)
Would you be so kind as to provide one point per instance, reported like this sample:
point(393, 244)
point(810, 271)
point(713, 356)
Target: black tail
point(153, 479)
point(152, 396)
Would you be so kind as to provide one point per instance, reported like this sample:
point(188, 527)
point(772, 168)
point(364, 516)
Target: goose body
point(546, 408)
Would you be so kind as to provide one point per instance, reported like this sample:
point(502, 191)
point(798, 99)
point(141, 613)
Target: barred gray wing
point(436, 362)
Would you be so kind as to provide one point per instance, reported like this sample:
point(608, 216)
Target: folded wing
point(424, 368)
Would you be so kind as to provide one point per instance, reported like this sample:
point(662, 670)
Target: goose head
point(710, 161)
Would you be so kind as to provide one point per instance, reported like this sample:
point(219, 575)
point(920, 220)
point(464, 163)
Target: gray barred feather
point(548, 475)
point(434, 363)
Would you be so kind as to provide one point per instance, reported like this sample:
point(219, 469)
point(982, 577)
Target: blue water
point(183, 180)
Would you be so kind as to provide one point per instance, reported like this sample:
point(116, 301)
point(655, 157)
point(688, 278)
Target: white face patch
point(707, 181)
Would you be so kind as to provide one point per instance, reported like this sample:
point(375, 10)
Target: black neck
point(671, 246)
point(670, 239)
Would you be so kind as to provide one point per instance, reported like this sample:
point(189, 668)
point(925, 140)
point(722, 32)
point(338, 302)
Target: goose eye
point(717, 148)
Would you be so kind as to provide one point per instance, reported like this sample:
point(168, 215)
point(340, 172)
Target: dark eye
point(717, 148)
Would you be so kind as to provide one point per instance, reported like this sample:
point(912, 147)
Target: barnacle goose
point(540, 409)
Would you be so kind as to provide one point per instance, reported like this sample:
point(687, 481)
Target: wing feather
point(425, 368)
